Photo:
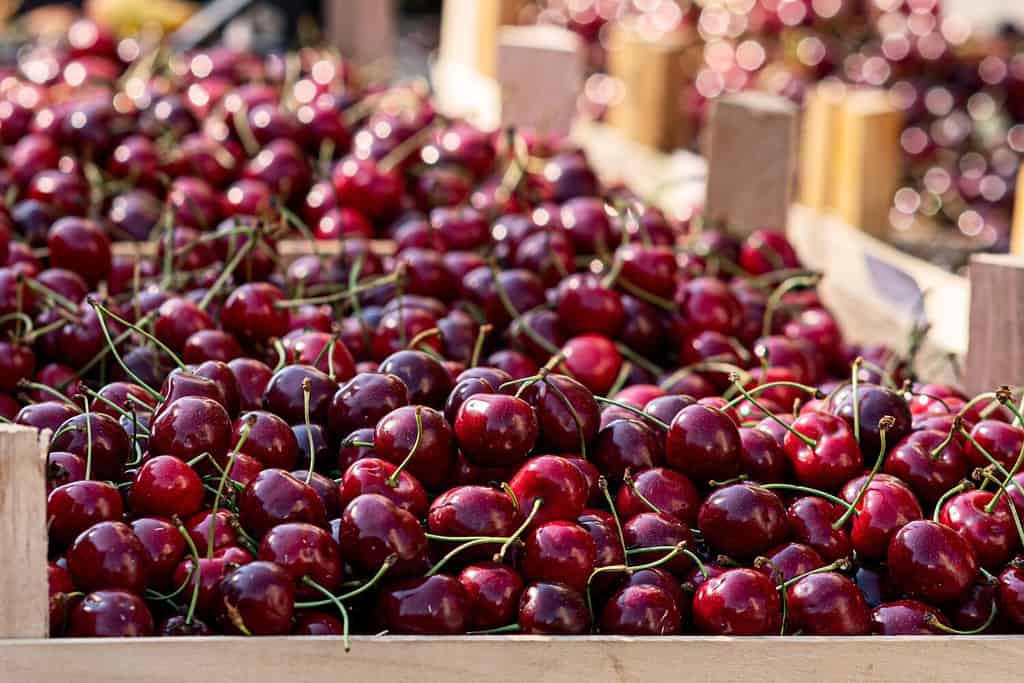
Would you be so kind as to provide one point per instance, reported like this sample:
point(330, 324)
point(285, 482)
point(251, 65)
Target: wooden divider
point(363, 30)
point(469, 32)
point(823, 108)
point(1017, 228)
point(994, 354)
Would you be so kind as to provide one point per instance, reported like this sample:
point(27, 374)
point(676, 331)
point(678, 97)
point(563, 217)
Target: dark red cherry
point(931, 562)
point(257, 599)
point(363, 185)
point(906, 618)
point(585, 305)
point(177, 319)
point(707, 303)
point(666, 489)
point(60, 586)
point(627, 444)
point(194, 203)
point(789, 560)
point(765, 251)
point(738, 602)
point(397, 433)
point(495, 430)
point(252, 377)
point(372, 475)
point(761, 457)
point(285, 394)
point(108, 555)
point(559, 430)
point(704, 444)
point(276, 497)
point(883, 510)
point(641, 610)
point(117, 393)
point(992, 535)
point(833, 460)
point(743, 520)
point(828, 604)
point(561, 552)
point(1010, 595)
point(609, 546)
point(657, 529)
point(1000, 440)
point(164, 544)
point(810, 520)
point(552, 609)
point(873, 403)
point(554, 481)
point(81, 246)
point(473, 511)
point(74, 507)
point(304, 550)
point(427, 380)
point(166, 486)
point(63, 468)
point(434, 605)
point(928, 464)
point(109, 447)
point(110, 614)
point(270, 440)
point(314, 623)
point(199, 527)
point(251, 313)
point(493, 592)
point(189, 427)
point(373, 528)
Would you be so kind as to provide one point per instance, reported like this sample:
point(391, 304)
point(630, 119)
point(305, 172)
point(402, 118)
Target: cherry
point(433, 605)
point(788, 561)
point(209, 574)
point(427, 380)
point(373, 528)
point(117, 393)
point(1010, 595)
point(585, 305)
point(704, 444)
point(398, 433)
point(761, 456)
point(166, 486)
point(252, 377)
point(641, 610)
point(373, 475)
point(495, 430)
point(251, 313)
point(657, 529)
point(1000, 440)
point(928, 463)
point(60, 585)
point(905, 618)
point(492, 591)
point(669, 491)
point(363, 185)
point(177, 319)
point(181, 383)
point(17, 363)
point(76, 506)
point(885, 508)
point(554, 481)
point(832, 460)
point(604, 532)
point(110, 614)
point(285, 393)
point(163, 543)
point(665, 408)
point(304, 550)
point(559, 430)
point(473, 511)
point(742, 520)
point(931, 562)
point(828, 603)
point(767, 250)
point(276, 497)
point(311, 348)
point(873, 403)
point(738, 602)
point(257, 598)
point(462, 391)
point(270, 440)
point(586, 222)
point(810, 521)
point(561, 552)
point(189, 427)
point(314, 623)
point(992, 535)
point(63, 468)
point(354, 447)
point(552, 609)
point(194, 203)
point(108, 555)
point(224, 535)
point(109, 446)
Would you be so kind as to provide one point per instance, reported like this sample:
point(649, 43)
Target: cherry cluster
point(541, 406)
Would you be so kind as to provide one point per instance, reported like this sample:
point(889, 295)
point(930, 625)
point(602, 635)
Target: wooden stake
point(994, 356)
point(24, 595)
point(652, 70)
point(469, 32)
point(540, 72)
point(1017, 230)
point(819, 145)
point(363, 30)
point(752, 161)
point(870, 161)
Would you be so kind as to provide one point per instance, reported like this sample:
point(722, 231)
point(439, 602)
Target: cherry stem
point(776, 486)
point(953, 431)
point(511, 494)
point(88, 439)
point(937, 624)
point(735, 379)
point(510, 628)
point(639, 360)
point(1012, 507)
point(516, 316)
point(425, 334)
point(672, 551)
point(572, 412)
point(482, 540)
point(388, 563)
point(120, 411)
point(478, 345)
point(620, 379)
point(112, 346)
point(992, 461)
point(361, 444)
point(337, 603)
point(959, 488)
point(392, 480)
point(52, 294)
point(602, 484)
point(307, 386)
point(374, 283)
point(884, 425)
point(632, 409)
point(242, 436)
point(779, 578)
point(627, 480)
point(499, 556)
point(642, 294)
point(195, 567)
point(229, 269)
point(842, 564)
point(775, 299)
point(101, 311)
point(813, 391)
point(1006, 398)
point(37, 386)
point(854, 379)
point(1002, 487)
point(987, 396)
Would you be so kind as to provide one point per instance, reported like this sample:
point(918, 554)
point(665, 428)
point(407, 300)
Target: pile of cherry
point(550, 410)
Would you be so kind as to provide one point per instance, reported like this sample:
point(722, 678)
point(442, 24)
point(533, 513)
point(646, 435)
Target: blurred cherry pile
point(541, 406)
point(960, 90)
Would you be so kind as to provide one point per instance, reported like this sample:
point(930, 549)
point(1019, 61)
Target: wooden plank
point(24, 595)
point(469, 32)
point(1017, 229)
point(363, 30)
point(651, 70)
point(994, 355)
point(515, 659)
point(819, 145)
point(870, 160)
point(540, 71)
point(751, 161)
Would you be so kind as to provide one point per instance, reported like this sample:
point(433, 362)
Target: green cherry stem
point(392, 480)
point(884, 425)
point(735, 379)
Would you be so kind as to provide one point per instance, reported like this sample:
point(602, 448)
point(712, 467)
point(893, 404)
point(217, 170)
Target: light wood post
point(994, 355)
point(24, 595)
point(752, 161)
point(362, 30)
point(469, 32)
point(819, 145)
point(1017, 229)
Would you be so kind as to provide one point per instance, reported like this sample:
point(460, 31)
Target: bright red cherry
point(931, 562)
point(741, 602)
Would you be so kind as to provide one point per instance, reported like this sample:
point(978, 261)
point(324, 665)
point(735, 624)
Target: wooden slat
point(819, 145)
point(994, 353)
point(1017, 230)
point(469, 32)
point(751, 161)
point(870, 160)
point(651, 70)
point(540, 71)
point(363, 30)
point(515, 659)
point(24, 611)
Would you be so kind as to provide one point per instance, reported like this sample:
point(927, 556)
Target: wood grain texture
point(469, 32)
point(870, 160)
point(24, 610)
point(540, 71)
point(751, 161)
point(819, 145)
point(994, 353)
point(515, 659)
point(650, 70)
point(1017, 230)
point(363, 30)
